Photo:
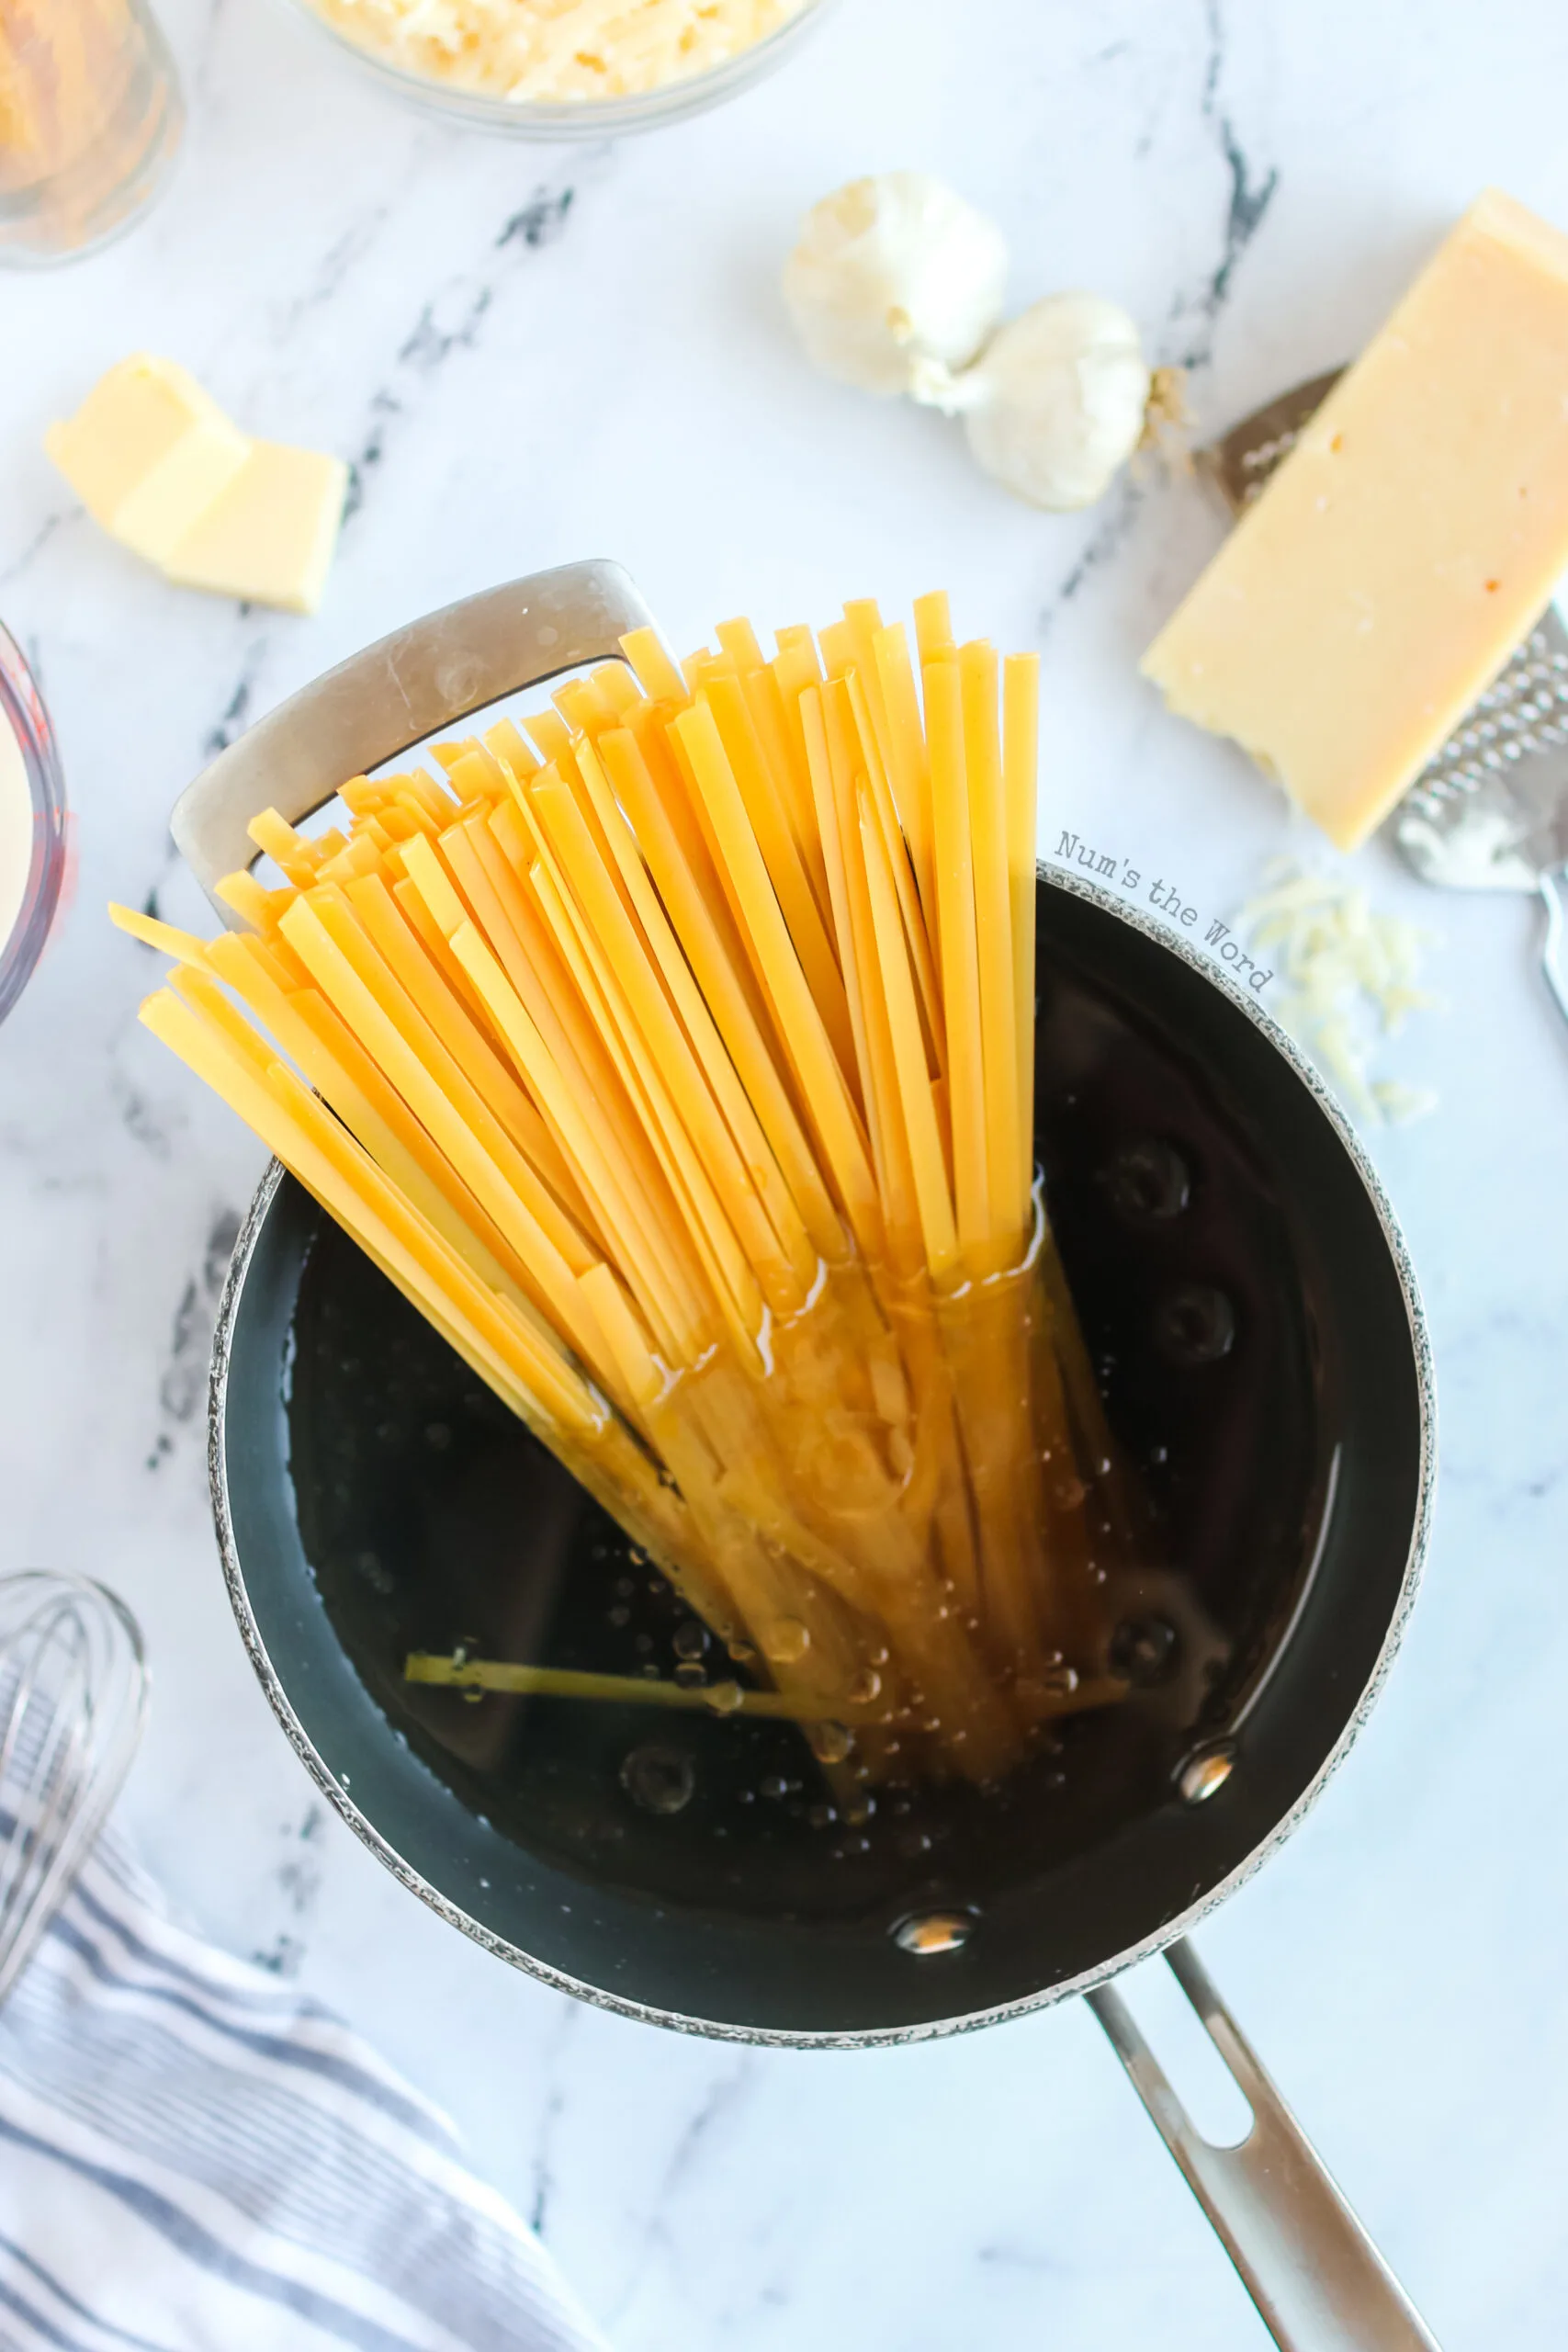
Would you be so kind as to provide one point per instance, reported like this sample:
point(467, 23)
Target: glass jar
point(90, 116)
point(586, 117)
point(32, 824)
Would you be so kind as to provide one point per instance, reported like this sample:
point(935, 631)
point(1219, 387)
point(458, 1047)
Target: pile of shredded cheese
point(552, 51)
point(1352, 979)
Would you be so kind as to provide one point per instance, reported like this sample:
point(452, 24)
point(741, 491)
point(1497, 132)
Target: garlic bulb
point(890, 273)
point(1057, 402)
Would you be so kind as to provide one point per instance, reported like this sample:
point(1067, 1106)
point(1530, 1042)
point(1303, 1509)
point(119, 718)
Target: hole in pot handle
point(411, 685)
point(1318, 2281)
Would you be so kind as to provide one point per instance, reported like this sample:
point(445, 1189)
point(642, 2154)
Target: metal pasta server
point(1244, 1287)
point(1490, 812)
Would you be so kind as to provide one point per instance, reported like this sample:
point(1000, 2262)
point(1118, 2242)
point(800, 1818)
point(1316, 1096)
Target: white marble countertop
point(536, 354)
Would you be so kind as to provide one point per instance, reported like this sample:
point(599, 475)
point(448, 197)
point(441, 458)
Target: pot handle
point(1318, 2281)
point(394, 695)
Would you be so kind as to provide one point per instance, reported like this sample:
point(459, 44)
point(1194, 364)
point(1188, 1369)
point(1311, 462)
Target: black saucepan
point(1248, 1304)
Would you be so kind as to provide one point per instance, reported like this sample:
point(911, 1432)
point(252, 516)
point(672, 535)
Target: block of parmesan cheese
point(1408, 544)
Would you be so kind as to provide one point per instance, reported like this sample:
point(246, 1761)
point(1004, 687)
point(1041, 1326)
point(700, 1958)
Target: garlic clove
point(1058, 401)
point(890, 273)
point(933, 384)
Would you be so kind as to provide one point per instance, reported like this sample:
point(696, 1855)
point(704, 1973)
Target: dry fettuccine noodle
point(674, 1055)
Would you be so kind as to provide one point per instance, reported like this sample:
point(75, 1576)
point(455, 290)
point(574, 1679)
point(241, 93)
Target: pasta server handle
point(1318, 2281)
point(396, 694)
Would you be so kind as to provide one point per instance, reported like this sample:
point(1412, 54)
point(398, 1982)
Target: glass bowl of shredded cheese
point(568, 69)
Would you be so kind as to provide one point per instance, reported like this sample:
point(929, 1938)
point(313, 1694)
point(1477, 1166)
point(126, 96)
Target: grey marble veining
point(529, 355)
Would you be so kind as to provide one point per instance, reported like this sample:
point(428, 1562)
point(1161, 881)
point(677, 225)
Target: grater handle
point(1551, 886)
point(394, 695)
point(1318, 2281)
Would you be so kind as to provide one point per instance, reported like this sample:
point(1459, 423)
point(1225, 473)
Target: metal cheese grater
point(1490, 812)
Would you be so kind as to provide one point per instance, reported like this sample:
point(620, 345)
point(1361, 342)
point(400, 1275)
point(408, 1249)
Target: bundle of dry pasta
point(674, 1055)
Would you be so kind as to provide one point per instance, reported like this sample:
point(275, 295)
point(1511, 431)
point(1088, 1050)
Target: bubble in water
point(1195, 1324)
point(1059, 1682)
point(1144, 1650)
point(623, 1588)
point(786, 1640)
point(930, 1932)
point(1147, 1182)
point(620, 1614)
point(725, 1698)
point(858, 1809)
point(644, 1644)
point(911, 1844)
point(690, 1675)
point(821, 1816)
point(776, 1787)
point(866, 1687)
point(689, 1640)
point(1159, 1455)
point(878, 1655)
point(659, 1780)
point(742, 1653)
point(437, 1435)
point(830, 1743)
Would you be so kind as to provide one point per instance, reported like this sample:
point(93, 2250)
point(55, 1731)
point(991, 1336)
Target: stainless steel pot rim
point(876, 2038)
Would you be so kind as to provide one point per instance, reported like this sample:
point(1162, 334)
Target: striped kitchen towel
point(194, 2159)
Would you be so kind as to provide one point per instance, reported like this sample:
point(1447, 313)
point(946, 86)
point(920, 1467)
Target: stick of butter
point(147, 452)
point(1408, 544)
point(156, 460)
point(269, 536)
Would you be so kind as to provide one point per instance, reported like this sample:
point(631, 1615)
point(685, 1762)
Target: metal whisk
point(73, 1699)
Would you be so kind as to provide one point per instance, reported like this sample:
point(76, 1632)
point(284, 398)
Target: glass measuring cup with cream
point(32, 824)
